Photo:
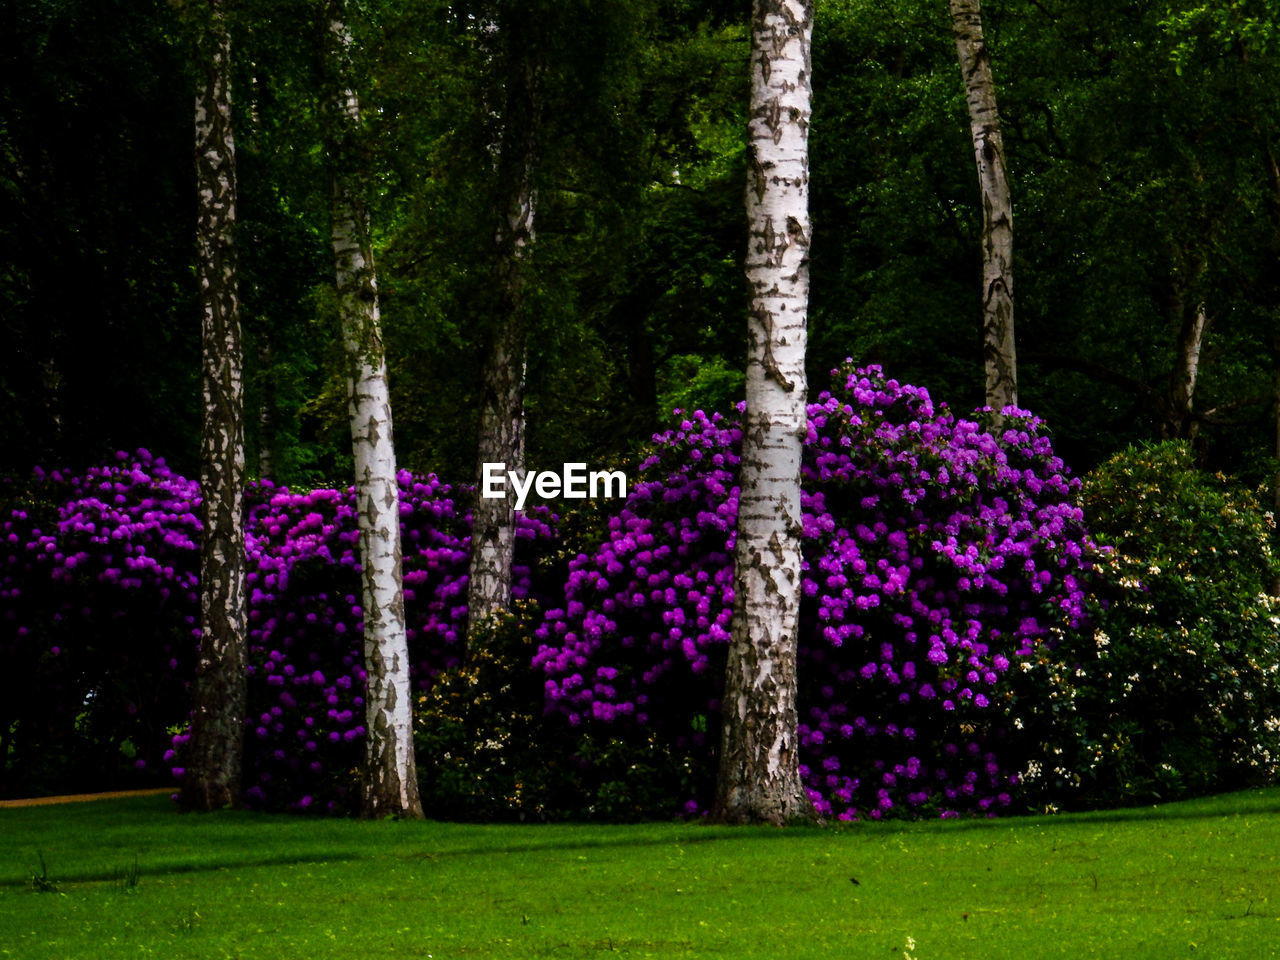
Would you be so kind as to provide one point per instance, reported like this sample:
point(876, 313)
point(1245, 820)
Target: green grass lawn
point(1197, 879)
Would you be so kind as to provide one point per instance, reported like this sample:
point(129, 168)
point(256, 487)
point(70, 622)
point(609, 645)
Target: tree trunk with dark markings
point(759, 777)
point(389, 785)
point(999, 353)
point(501, 431)
point(215, 747)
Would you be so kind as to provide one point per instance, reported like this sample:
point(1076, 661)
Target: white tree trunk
point(501, 432)
point(999, 353)
point(215, 747)
point(759, 778)
point(1188, 310)
point(1275, 423)
point(390, 783)
point(501, 439)
point(1273, 167)
point(1190, 343)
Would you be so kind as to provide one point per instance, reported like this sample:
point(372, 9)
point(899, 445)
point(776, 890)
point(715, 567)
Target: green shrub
point(1173, 692)
point(488, 750)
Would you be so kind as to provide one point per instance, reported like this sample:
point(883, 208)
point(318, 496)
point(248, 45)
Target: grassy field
point(132, 878)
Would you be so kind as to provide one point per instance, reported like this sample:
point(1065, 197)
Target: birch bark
point(759, 779)
point(999, 353)
point(501, 432)
point(1187, 308)
point(1275, 424)
point(215, 748)
point(1273, 167)
point(390, 782)
point(1182, 420)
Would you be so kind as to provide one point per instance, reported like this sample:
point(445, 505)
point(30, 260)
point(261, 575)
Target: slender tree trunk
point(759, 779)
point(501, 434)
point(215, 749)
point(1182, 421)
point(390, 780)
point(1187, 309)
point(1273, 168)
point(501, 440)
point(1275, 479)
point(999, 354)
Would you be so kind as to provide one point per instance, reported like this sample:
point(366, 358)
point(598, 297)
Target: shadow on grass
point(345, 856)
point(173, 869)
point(604, 843)
point(242, 844)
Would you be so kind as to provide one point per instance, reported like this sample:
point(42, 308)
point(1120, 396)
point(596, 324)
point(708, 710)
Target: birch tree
point(759, 778)
point(501, 432)
point(1273, 168)
point(215, 748)
point(1187, 309)
point(390, 781)
point(999, 354)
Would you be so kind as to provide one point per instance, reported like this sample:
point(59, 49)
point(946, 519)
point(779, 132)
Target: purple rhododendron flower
point(935, 555)
point(122, 562)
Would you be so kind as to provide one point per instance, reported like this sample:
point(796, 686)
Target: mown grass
point(1197, 879)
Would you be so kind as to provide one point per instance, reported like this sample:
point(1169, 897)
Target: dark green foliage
point(97, 227)
point(487, 750)
point(1141, 142)
point(1176, 689)
point(1140, 153)
point(895, 199)
point(638, 224)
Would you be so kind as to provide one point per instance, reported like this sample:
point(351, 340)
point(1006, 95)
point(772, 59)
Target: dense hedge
point(1176, 689)
point(946, 663)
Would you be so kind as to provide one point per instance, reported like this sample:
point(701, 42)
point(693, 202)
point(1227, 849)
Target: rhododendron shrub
point(306, 716)
point(101, 601)
point(939, 552)
point(99, 596)
point(1173, 690)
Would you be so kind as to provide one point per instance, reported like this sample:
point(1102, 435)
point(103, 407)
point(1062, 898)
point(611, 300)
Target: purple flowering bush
point(101, 605)
point(306, 731)
point(98, 630)
point(939, 552)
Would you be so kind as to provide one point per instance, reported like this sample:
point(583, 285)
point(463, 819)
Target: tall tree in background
point(1188, 310)
point(501, 431)
point(759, 779)
point(390, 781)
point(999, 355)
point(217, 721)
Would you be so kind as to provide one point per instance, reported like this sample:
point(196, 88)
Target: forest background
point(1141, 141)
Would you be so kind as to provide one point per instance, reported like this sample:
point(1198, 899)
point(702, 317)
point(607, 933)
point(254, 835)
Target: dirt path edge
point(83, 797)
